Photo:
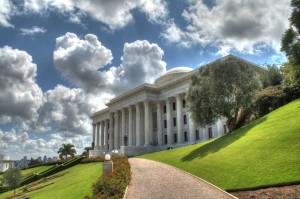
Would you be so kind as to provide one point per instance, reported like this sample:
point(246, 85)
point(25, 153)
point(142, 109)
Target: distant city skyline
point(60, 61)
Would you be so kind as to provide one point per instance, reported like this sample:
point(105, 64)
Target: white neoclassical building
point(152, 117)
point(5, 163)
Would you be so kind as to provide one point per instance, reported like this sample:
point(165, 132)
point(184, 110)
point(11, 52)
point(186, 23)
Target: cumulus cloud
point(6, 11)
point(33, 30)
point(141, 62)
point(79, 60)
point(114, 13)
point(67, 111)
point(20, 96)
point(241, 25)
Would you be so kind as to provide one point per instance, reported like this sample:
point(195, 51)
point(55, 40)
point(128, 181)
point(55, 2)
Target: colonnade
point(134, 126)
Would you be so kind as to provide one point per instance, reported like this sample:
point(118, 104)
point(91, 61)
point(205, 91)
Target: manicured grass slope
point(262, 153)
point(35, 169)
point(76, 183)
point(32, 170)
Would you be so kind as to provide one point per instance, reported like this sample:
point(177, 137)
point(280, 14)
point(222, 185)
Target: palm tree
point(65, 150)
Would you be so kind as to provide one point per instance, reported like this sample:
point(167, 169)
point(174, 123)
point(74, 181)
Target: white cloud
point(114, 13)
point(80, 60)
point(20, 96)
point(141, 62)
point(239, 25)
point(33, 30)
point(6, 11)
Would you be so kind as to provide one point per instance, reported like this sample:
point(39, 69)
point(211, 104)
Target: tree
point(290, 44)
point(272, 77)
point(86, 151)
point(12, 177)
point(221, 89)
point(65, 150)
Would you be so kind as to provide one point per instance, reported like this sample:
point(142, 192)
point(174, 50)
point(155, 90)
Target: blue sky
point(62, 60)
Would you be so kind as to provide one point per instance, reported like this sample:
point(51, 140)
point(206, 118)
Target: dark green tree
point(290, 44)
point(65, 150)
point(12, 177)
point(220, 90)
point(272, 77)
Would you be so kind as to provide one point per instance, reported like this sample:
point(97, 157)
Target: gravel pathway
point(156, 180)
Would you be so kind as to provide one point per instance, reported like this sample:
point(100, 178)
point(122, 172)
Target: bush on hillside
point(113, 186)
point(272, 98)
point(89, 160)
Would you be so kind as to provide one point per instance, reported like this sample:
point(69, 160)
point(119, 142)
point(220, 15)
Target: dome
point(173, 74)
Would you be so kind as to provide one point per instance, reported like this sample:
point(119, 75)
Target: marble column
point(102, 135)
point(94, 136)
point(111, 140)
point(169, 121)
point(192, 130)
point(130, 126)
point(105, 135)
point(159, 126)
point(123, 127)
point(116, 134)
point(98, 136)
point(147, 122)
point(138, 127)
point(179, 118)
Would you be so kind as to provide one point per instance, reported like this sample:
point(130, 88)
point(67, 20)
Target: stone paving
point(156, 180)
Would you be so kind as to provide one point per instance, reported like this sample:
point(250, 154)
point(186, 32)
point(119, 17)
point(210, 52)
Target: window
point(166, 139)
point(175, 137)
point(185, 136)
point(225, 129)
point(174, 106)
point(174, 121)
point(209, 132)
point(165, 109)
point(184, 119)
point(165, 123)
point(197, 135)
point(183, 103)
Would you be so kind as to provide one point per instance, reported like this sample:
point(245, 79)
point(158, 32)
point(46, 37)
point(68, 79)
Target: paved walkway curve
point(156, 180)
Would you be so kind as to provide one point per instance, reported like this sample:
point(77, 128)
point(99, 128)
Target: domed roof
point(173, 74)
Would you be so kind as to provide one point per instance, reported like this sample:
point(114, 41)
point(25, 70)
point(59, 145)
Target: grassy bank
point(262, 153)
point(75, 182)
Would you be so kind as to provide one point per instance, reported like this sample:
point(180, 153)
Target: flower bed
point(113, 186)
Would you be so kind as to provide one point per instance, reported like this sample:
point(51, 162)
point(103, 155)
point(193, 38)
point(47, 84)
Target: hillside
point(74, 182)
point(263, 153)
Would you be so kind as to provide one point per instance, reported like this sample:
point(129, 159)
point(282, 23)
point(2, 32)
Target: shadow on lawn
point(221, 142)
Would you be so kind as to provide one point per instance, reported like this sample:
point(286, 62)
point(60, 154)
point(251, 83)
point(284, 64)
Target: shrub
point(274, 97)
point(89, 160)
point(113, 186)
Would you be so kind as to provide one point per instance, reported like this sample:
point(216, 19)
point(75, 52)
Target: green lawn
point(30, 171)
point(35, 169)
point(262, 153)
point(76, 183)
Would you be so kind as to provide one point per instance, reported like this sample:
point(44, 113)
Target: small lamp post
point(107, 165)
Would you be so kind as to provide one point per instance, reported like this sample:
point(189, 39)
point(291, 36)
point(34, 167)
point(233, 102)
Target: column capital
point(147, 101)
point(158, 102)
point(167, 100)
point(178, 96)
point(130, 107)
